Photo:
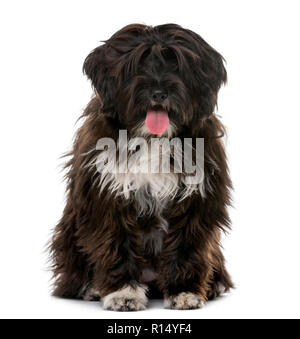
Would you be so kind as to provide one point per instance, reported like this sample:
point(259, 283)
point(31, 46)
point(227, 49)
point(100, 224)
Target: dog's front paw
point(184, 301)
point(126, 299)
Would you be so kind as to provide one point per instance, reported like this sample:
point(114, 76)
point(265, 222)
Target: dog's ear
point(211, 76)
point(209, 71)
point(215, 69)
point(96, 67)
point(210, 63)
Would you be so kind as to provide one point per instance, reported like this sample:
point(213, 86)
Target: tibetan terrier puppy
point(128, 235)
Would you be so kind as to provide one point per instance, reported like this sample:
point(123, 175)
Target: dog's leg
point(188, 261)
point(185, 274)
point(118, 261)
point(70, 269)
point(193, 282)
point(221, 282)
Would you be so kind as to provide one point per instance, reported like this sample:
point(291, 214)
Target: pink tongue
point(157, 121)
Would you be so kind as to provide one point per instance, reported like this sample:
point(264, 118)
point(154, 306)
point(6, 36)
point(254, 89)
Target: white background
point(43, 92)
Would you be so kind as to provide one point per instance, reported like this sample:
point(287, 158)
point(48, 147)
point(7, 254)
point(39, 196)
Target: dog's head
point(155, 77)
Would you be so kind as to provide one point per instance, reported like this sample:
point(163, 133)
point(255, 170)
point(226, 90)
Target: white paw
point(217, 290)
point(126, 299)
point(221, 288)
point(91, 294)
point(184, 301)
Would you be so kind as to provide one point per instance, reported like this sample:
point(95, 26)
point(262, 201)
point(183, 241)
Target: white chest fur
point(151, 188)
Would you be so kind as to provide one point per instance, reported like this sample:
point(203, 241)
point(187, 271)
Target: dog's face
point(156, 77)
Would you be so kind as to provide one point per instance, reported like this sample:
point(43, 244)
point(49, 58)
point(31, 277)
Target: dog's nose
point(159, 95)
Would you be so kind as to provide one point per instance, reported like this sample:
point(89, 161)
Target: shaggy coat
point(103, 243)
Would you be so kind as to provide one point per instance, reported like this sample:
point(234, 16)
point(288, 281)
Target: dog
point(124, 237)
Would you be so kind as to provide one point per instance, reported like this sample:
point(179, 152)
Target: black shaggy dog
point(125, 236)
